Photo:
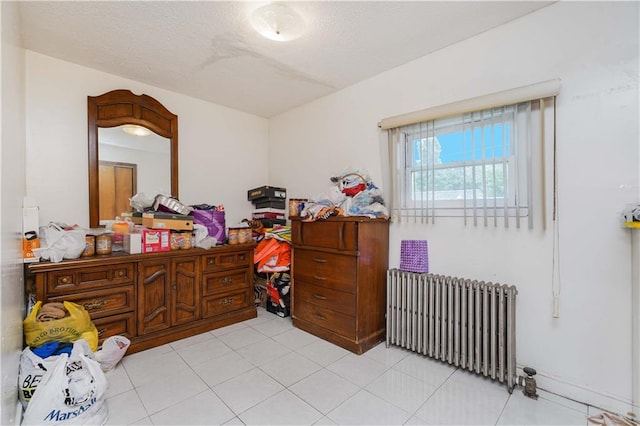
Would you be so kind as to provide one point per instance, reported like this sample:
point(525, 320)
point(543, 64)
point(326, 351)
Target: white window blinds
point(485, 165)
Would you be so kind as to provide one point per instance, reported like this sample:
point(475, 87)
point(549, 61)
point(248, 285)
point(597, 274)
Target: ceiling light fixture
point(136, 130)
point(277, 22)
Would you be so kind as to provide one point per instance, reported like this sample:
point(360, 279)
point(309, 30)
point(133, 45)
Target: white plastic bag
point(32, 370)
point(202, 239)
point(112, 351)
point(61, 243)
point(72, 392)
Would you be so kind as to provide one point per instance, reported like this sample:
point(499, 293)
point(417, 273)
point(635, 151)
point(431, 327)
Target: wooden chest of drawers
point(339, 275)
point(153, 298)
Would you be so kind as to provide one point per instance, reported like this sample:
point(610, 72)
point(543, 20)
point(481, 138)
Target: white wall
point(215, 142)
point(12, 188)
point(593, 48)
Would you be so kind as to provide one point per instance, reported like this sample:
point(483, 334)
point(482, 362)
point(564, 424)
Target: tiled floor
point(265, 371)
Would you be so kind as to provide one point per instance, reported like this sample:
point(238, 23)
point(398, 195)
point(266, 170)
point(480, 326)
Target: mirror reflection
point(122, 164)
point(133, 160)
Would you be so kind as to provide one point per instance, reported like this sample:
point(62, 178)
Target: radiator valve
point(530, 383)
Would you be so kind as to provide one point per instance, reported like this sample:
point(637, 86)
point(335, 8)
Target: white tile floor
point(265, 371)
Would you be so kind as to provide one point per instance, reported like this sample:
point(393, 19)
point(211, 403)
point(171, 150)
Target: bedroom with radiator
point(501, 283)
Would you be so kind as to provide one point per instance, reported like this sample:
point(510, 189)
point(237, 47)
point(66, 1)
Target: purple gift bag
point(414, 256)
point(213, 220)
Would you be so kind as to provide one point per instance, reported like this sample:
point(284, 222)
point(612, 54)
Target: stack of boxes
point(269, 202)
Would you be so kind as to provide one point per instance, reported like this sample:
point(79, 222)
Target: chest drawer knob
point(211, 261)
point(121, 273)
point(64, 280)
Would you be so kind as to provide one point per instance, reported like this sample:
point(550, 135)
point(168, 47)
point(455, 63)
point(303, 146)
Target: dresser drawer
point(336, 322)
point(225, 281)
point(334, 300)
point(115, 325)
point(325, 269)
point(221, 304)
point(216, 261)
point(338, 235)
point(81, 279)
point(100, 303)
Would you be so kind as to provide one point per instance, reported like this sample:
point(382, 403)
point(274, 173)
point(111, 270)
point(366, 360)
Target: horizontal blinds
point(513, 96)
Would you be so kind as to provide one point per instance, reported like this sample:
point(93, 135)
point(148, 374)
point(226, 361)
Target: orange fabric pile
point(272, 255)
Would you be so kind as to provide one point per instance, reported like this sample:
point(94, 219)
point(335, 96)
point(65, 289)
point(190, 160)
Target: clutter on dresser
point(353, 193)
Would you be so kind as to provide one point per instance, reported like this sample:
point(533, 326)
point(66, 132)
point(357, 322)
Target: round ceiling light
point(277, 22)
point(136, 130)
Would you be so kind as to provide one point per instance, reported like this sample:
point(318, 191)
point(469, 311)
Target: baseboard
point(584, 395)
point(18, 416)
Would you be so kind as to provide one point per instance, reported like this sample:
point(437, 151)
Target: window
point(486, 166)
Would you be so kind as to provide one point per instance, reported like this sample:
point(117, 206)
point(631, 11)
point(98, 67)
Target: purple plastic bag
point(213, 220)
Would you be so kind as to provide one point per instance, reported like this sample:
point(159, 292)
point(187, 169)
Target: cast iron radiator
point(467, 323)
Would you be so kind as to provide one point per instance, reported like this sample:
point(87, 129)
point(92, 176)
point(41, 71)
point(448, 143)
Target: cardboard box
point(132, 243)
point(155, 240)
point(267, 192)
point(270, 203)
point(175, 222)
point(268, 213)
point(135, 217)
point(30, 230)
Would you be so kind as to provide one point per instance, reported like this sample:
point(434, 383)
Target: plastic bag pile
point(353, 194)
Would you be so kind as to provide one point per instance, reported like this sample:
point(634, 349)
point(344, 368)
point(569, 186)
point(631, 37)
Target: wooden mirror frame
point(120, 107)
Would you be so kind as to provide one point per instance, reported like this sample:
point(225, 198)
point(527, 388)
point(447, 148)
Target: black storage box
point(273, 203)
point(267, 192)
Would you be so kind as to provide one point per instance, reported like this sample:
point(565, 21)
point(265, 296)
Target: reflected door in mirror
point(118, 183)
point(115, 123)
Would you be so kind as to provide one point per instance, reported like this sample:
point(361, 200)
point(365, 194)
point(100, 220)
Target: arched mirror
point(133, 148)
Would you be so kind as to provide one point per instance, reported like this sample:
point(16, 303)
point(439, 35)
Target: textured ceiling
point(208, 50)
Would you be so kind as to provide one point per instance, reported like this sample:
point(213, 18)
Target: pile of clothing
point(353, 194)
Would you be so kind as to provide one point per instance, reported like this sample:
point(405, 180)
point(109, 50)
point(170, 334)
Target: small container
point(117, 238)
point(244, 235)
point(187, 241)
point(234, 236)
point(90, 246)
point(175, 240)
point(103, 244)
point(295, 206)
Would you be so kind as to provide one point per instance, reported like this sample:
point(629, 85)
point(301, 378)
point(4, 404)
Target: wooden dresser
point(153, 298)
point(339, 279)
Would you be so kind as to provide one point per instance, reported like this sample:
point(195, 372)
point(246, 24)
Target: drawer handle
point(211, 261)
point(226, 301)
point(64, 280)
point(319, 296)
point(226, 280)
point(121, 273)
point(95, 304)
point(319, 278)
point(319, 260)
point(242, 257)
point(320, 316)
point(101, 331)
